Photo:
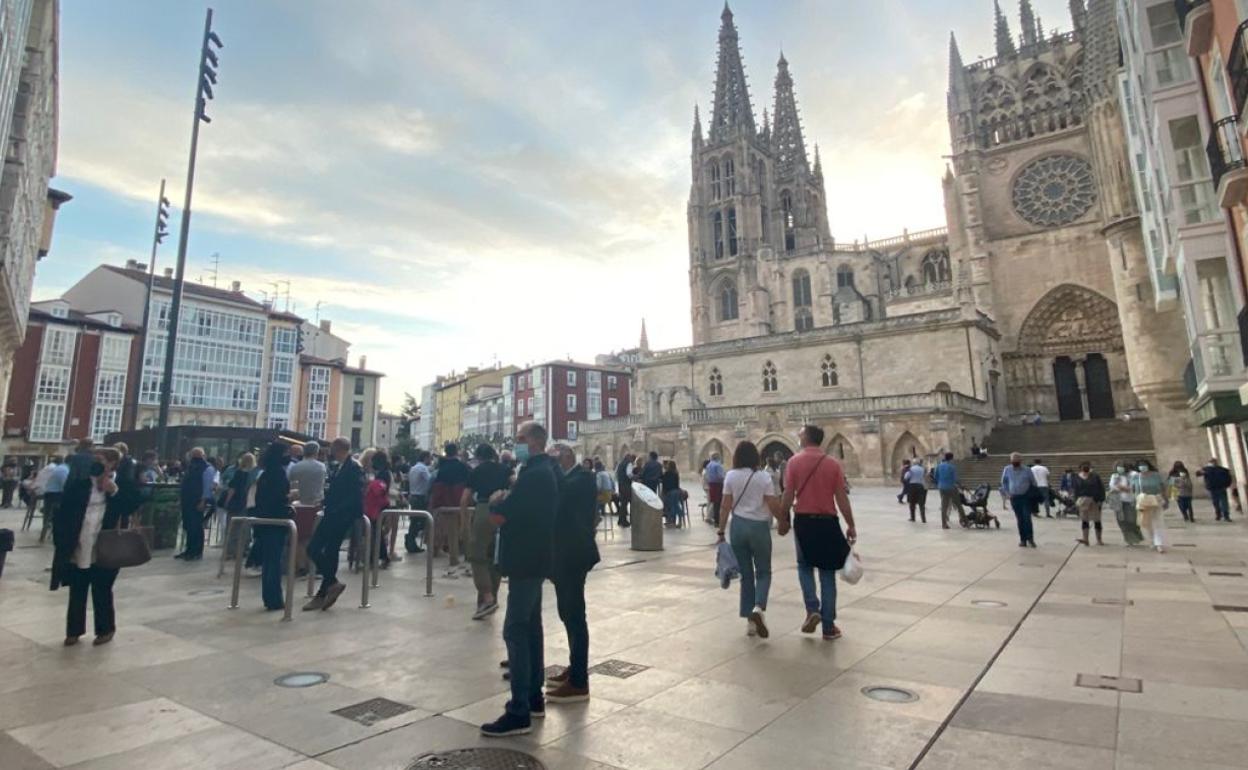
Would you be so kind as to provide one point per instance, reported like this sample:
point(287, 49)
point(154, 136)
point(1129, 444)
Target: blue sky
point(457, 182)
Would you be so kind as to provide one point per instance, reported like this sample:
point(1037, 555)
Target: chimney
point(169, 272)
point(364, 362)
point(132, 264)
point(326, 326)
point(236, 286)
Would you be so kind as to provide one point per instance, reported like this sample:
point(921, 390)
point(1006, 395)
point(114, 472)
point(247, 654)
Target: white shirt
point(1041, 473)
point(90, 528)
point(747, 494)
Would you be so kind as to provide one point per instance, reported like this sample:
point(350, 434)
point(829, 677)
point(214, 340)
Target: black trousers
point(8, 486)
point(570, 597)
point(324, 546)
point(193, 523)
point(99, 582)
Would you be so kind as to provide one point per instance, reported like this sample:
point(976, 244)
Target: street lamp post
point(204, 82)
point(158, 237)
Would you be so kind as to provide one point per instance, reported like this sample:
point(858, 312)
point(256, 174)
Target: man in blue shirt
point(1018, 484)
point(52, 487)
point(715, 486)
point(946, 475)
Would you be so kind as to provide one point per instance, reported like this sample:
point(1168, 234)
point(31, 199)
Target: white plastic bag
point(852, 571)
point(726, 566)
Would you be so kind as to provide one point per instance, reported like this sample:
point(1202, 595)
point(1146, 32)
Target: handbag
point(852, 571)
point(117, 548)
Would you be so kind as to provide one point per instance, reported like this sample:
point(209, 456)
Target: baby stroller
point(1067, 500)
point(975, 507)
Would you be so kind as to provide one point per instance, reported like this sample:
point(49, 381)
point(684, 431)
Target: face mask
point(522, 453)
point(1017, 465)
point(1143, 468)
point(1120, 469)
point(97, 469)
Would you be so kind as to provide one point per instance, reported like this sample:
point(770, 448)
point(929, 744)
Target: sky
point(457, 183)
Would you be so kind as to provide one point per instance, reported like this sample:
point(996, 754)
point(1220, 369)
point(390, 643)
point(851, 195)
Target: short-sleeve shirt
point(915, 474)
point(815, 478)
point(487, 478)
point(1041, 474)
point(748, 493)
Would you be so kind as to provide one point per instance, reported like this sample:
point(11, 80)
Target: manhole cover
point(370, 712)
point(890, 694)
point(988, 603)
point(477, 759)
point(301, 679)
point(206, 592)
point(619, 669)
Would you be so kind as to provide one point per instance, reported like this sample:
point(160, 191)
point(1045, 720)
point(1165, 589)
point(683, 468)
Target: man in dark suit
point(576, 553)
point(344, 505)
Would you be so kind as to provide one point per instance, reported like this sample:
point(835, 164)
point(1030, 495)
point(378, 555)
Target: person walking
point(946, 475)
point(419, 481)
point(50, 489)
point(1218, 481)
point(195, 493)
point(344, 505)
point(1150, 502)
point(814, 492)
point(1089, 493)
point(750, 504)
point(916, 489)
point(526, 516)
point(487, 478)
point(624, 488)
point(1040, 472)
point(88, 505)
point(670, 482)
point(1019, 486)
point(575, 555)
point(1180, 486)
point(714, 476)
point(905, 480)
point(1122, 500)
point(272, 502)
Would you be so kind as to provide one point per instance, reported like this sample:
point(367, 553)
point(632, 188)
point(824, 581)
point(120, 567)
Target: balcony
point(1237, 68)
point(1196, 19)
point(1226, 161)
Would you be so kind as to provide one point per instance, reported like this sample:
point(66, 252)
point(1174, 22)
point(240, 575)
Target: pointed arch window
point(803, 319)
point(716, 382)
point(936, 267)
point(716, 187)
point(728, 301)
point(844, 277)
point(732, 232)
point(771, 383)
point(790, 221)
point(801, 288)
point(717, 233)
point(827, 372)
point(730, 182)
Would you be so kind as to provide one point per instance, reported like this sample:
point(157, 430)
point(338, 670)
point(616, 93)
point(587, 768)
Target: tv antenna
point(216, 268)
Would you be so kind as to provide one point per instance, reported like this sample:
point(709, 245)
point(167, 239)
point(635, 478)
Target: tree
point(404, 446)
point(409, 412)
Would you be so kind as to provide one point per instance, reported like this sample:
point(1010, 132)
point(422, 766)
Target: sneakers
point(314, 604)
point(70, 641)
point(832, 635)
point(759, 624)
point(812, 622)
point(102, 639)
point(537, 708)
point(507, 724)
point(566, 693)
point(750, 630)
point(333, 593)
point(485, 610)
point(555, 680)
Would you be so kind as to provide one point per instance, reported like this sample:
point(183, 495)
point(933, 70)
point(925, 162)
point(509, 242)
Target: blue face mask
point(522, 453)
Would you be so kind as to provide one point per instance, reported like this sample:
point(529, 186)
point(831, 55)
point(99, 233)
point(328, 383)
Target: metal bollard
point(320, 516)
point(247, 523)
point(244, 529)
point(225, 549)
point(364, 578)
point(396, 514)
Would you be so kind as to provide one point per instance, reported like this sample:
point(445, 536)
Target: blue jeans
point(272, 543)
point(827, 584)
point(1185, 507)
point(672, 505)
point(1221, 506)
point(751, 544)
point(1022, 512)
point(522, 631)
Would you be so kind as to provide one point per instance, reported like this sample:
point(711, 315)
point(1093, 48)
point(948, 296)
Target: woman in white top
point(750, 500)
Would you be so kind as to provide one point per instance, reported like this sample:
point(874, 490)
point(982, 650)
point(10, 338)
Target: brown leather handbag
point(117, 548)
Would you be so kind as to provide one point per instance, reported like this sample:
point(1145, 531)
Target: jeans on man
point(751, 544)
point(827, 587)
point(324, 546)
point(949, 498)
point(193, 523)
point(1022, 512)
point(522, 632)
point(272, 542)
point(570, 596)
point(1221, 506)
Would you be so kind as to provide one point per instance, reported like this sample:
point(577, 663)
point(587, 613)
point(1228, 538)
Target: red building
point(70, 380)
point(563, 395)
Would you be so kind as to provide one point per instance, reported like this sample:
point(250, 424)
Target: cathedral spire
point(766, 126)
point(959, 89)
point(645, 339)
point(1027, 17)
point(818, 163)
point(789, 147)
point(955, 61)
point(732, 114)
point(697, 127)
point(1005, 41)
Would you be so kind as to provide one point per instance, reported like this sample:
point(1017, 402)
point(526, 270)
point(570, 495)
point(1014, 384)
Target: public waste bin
point(646, 512)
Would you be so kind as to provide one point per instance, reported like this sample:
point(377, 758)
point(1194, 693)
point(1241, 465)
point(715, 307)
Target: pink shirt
point(815, 478)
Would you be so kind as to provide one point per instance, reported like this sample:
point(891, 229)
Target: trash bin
point(6, 545)
point(647, 519)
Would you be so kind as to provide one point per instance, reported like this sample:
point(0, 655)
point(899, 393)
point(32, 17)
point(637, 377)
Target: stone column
point(1081, 377)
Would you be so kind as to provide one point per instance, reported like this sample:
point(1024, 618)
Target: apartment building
point(563, 395)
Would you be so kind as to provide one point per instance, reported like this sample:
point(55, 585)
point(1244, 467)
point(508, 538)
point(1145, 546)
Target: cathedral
point(1035, 299)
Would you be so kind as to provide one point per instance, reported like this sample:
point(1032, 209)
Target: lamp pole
point(158, 236)
point(204, 81)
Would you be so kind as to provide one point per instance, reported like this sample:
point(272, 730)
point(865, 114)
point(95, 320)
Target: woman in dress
point(751, 502)
point(88, 505)
point(272, 502)
point(1150, 502)
point(1180, 483)
point(1122, 502)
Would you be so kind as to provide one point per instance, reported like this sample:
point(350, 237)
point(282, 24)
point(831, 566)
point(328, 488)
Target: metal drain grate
point(206, 592)
point(1112, 566)
point(1183, 545)
point(477, 759)
point(987, 603)
point(370, 712)
point(1119, 683)
point(301, 679)
point(620, 669)
point(1229, 608)
point(1113, 602)
point(890, 694)
point(1226, 574)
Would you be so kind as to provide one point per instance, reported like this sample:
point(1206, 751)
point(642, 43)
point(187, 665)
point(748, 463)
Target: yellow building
point(452, 394)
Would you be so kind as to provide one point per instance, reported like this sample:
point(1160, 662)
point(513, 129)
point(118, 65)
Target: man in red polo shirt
point(814, 491)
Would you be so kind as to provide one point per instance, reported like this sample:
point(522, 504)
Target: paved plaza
point(190, 684)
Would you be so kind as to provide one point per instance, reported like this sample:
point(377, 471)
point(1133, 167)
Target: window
point(717, 383)
point(790, 221)
point(594, 380)
point(571, 379)
point(771, 383)
point(53, 383)
point(47, 422)
point(519, 407)
point(732, 232)
point(58, 346)
point(60, 311)
point(803, 320)
point(1163, 25)
point(728, 302)
point(357, 411)
point(571, 430)
point(613, 407)
point(528, 406)
point(115, 352)
point(356, 437)
point(612, 382)
point(828, 372)
point(284, 341)
point(730, 184)
point(593, 404)
point(717, 233)
point(318, 400)
point(1215, 294)
point(844, 277)
point(801, 288)
point(716, 188)
point(114, 319)
point(359, 386)
point(571, 403)
point(1194, 195)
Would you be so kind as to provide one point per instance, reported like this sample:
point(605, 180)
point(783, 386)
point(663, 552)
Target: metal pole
point(374, 548)
point(320, 515)
point(230, 529)
point(175, 308)
point(396, 514)
point(245, 532)
point(368, 539)
point(136, 389)
point(292, 545)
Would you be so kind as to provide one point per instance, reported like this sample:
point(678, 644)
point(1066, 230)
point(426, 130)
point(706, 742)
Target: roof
point(574, 365)
point(191, 288)
point(282, 315)
point(364, 372)
point(339, 364)
point(78, 318)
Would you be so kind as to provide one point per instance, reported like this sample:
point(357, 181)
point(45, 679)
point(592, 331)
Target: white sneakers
point(758, 624)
